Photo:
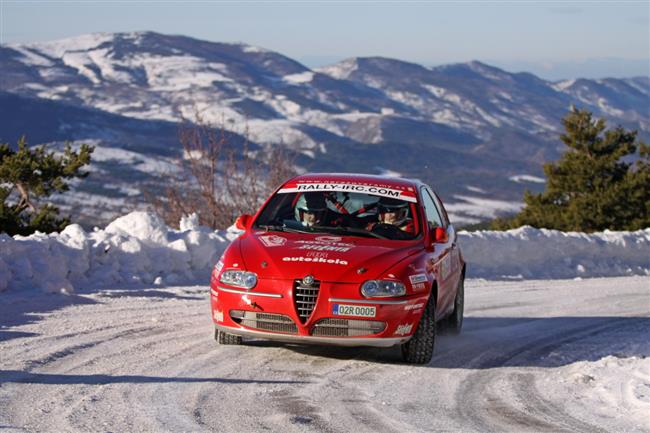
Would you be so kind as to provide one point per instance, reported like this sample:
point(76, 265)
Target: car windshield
point(341, 212)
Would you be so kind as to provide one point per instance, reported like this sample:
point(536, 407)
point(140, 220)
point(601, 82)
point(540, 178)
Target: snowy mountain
point(469, 128)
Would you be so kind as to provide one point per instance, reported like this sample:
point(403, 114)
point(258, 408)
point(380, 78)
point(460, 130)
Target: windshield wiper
point(281, 228)
point(350, 230)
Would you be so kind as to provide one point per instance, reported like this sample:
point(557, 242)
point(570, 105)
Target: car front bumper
point(305, 339)
point(267, 303)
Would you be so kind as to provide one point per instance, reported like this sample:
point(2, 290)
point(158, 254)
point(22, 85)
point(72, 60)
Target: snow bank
point(527, 252)
point(136, 248)
point(140, 248)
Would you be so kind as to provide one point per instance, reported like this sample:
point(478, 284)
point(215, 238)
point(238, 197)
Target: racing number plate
point(353, 310)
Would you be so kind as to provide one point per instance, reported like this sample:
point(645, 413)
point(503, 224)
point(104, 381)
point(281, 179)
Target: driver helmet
point(311, 209)
point(392, 211)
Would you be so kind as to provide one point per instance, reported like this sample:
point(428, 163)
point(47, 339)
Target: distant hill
point(476, 132)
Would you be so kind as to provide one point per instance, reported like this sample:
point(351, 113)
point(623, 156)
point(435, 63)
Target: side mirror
point(243, 221)
point(440, 235)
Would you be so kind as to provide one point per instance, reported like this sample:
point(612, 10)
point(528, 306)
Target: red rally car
point(350, 260)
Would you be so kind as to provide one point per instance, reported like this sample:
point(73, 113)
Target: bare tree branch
point(217, 179)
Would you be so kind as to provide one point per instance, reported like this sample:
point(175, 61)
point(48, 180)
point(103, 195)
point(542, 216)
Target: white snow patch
point(480, 207)
point(59, 47)
point(341, 70)
point(300, 78)
point(388, 172)
point(561, 86)
point(32, 57)
point(475, 189)
point(526, 178)
point(527, 252)
point(254, 49)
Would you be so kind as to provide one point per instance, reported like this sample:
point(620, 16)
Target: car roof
point(367, 179)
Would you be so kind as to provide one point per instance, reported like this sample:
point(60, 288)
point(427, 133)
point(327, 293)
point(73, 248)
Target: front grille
point(304, 297)
point(347, 328)
point(264, 321)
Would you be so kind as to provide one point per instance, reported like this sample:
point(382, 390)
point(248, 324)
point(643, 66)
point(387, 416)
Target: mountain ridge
point(374, 112)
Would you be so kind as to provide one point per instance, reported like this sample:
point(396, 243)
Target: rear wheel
point(454, 323)
point(419, 349)
point(224, 338)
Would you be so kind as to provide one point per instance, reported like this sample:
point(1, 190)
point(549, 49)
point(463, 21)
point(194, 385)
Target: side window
point(433, 216)
point(441, 209)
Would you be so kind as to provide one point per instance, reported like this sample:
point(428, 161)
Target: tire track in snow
point(139, 364)
point(527, 411)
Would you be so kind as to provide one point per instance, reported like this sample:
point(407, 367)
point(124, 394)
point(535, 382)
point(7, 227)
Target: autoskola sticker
point(353, 310)
point(404, 329)
point(349, 187)
point(273, 240)
point(316, 260)
point(417, 278)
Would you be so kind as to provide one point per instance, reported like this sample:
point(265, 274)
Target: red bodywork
point(432, 263)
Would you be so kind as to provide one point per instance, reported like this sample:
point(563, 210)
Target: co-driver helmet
point(392, 205)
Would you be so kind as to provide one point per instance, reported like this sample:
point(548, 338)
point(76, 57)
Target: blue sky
point(552, 39)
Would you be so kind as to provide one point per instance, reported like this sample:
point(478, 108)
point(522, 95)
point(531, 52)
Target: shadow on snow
point(491, 342)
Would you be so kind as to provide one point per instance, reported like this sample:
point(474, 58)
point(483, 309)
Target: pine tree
point(593, 186)
point(30, 174)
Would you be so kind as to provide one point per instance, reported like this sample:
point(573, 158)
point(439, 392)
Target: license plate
point(353, 310)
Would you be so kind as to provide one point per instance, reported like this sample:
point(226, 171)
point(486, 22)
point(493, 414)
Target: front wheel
point(419, 349)
point(224, 338)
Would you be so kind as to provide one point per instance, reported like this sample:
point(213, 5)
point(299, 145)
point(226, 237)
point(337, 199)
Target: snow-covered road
point(545, 355)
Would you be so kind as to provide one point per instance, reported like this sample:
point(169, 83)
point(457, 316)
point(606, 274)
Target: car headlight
point(243, 279)
point(382, 288)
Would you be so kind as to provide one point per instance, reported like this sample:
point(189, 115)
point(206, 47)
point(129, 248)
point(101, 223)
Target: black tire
point(224, 338)
point(419, 349)
point(454, 322)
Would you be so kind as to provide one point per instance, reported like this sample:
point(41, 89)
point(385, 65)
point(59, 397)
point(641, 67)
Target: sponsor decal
point(353, 310)
point(328, 239)
point(382, 191)
point(324, 248)
point(418, 286)
point(218, 316)
point(214, 293)
point(317, 242)
point(219, 266)
point(317, 254)
point(273, 240)
point(404, 329)
point(316, 260)
point(417, 278)
point(413, 306)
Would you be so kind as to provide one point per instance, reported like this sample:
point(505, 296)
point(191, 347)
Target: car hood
point(342, 259)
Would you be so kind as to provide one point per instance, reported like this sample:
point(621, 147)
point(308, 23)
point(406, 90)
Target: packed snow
point(534, 356)
point(139, 249)
point(134, 249)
